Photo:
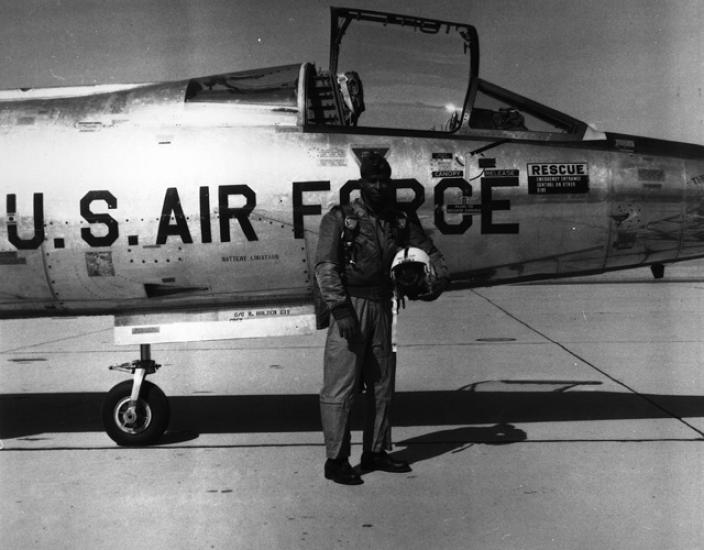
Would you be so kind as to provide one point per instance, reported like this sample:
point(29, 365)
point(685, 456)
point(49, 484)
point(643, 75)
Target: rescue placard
point(557, 178)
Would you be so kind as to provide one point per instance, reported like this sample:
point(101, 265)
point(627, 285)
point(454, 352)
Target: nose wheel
point(131, 423)
point(136, 412)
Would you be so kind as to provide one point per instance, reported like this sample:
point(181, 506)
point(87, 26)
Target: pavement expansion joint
point(589, 363)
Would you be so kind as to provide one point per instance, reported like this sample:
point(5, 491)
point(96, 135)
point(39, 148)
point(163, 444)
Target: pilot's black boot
point(383, 461)
point(340, 471)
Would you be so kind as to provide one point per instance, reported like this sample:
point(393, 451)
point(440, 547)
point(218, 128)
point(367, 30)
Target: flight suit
point(354, 279)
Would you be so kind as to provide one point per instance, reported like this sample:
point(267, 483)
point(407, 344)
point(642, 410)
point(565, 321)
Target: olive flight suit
point(355, 251)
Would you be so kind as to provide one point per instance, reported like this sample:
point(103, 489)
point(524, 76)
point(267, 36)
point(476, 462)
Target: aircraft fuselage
point(135, 199)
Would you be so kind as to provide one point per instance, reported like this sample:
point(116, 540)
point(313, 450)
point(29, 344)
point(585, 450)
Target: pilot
point(356, 247)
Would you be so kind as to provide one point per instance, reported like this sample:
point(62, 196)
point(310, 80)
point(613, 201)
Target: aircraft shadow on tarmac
point(30, 415)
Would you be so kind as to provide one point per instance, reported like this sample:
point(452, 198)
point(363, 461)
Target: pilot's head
point(377, 190)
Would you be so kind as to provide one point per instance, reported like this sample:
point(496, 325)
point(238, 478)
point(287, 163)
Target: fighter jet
point(189, 210)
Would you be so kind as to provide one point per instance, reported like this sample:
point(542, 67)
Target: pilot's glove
point(347, 324)
point(437, 288)
point(349, 328)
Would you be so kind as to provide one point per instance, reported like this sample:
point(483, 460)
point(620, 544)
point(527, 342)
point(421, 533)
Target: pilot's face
point(377, 191)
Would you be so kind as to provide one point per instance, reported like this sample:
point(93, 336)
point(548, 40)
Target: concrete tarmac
point(562, 416)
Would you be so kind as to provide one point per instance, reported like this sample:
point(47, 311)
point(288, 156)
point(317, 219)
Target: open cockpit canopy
point(406, 73)
point(396, 74)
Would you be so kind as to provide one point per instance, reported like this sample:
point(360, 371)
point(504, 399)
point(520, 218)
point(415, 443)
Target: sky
point(633, 66)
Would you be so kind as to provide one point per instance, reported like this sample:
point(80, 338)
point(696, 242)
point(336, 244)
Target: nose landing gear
point(136, 412)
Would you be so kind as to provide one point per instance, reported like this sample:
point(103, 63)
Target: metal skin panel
point(692, 243)
point(541, 235)
point(137, 200)
point(96, 266)
point(646, 210)
point(618, 222)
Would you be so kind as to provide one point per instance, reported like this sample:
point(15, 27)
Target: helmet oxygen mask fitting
point(412, 273)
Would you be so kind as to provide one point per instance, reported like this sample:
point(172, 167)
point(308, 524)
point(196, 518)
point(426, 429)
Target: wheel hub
point(132, 418)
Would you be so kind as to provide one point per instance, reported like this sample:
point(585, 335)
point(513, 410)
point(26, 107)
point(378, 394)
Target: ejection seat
point(333, 101)
point(352, 95)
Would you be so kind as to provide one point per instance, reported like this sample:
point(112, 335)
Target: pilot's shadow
point(434, 444)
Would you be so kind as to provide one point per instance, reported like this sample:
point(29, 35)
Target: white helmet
point(412, 272)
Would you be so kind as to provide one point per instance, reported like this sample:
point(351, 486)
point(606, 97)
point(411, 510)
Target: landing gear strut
point(136, 412)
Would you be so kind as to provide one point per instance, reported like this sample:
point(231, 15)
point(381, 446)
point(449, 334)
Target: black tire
point(150, 421)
